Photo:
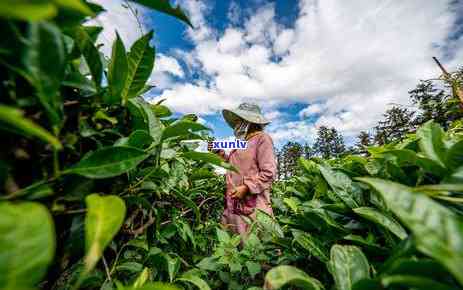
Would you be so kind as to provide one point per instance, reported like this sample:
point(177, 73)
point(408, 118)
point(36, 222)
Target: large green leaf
point(381, 219)
point(13, 120)
point(454, 157)
point(438, 230)
point(341, 185)
point(105, 215)
point(182, 128)
point(140, 65)
point(208, 158)
point(76, 5)
point(39, 9)
point(196, 280)
point(46, 47)
point(312, 245)
point(145, 119)
point(108, 162)
point(117, 72)
point(165, 7)
point(27, 10)
point(283, 275)
point(414, 282)
point(431, 142)
point(348, 265)
point(138, 138)
point(27, 243)
point(90, 53)
point(269, 223)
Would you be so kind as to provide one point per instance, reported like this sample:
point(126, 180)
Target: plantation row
point(102, 192)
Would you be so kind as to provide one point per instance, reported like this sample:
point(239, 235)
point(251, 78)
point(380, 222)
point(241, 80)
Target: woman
point(249, 188)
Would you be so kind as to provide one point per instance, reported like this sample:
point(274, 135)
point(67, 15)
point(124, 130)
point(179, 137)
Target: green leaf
point(374, 215)
point(79, 81)
point(172, 265)
point(46, 47)
point(431, 142)
point(165, 7)
point(438, 230)
point(341, 185)
point(195, 280)
point(414, 282)
point(454, 157)
point(157, 286)
point(90, 53)
point(27, 243)
point(269, 223)
point(208, 264)
point(161, 111)
point(142, 278)
point(282, 275)
point(131, 267)
point(108, 162)
point(208, 158)
point(14, 121)
point(117, 72)
point(104, 218)
point(76, 5)
point(140, 65)
point(182, 128)
point(253, 268)
point(146, 119)
point(312, 245)
point(139, 139)
point(27, 10)
point(348, 265)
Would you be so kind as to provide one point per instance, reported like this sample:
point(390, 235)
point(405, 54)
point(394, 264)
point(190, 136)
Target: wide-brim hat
point(246, 111)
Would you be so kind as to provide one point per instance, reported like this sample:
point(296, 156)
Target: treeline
point(431, 97)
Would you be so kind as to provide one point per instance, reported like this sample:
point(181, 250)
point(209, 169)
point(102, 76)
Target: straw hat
point(246, 111)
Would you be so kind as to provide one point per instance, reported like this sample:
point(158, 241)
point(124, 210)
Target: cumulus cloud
point(349, 59)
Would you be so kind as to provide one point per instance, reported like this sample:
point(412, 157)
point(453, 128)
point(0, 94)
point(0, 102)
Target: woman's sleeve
point(267, 167)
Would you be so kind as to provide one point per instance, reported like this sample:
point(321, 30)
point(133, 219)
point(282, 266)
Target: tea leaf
point(376, 216)
point(108, 162)
point(117, 72)
point(28, 11)
point(14, 121)
point(46, 47)
point(438, 230)
point(348, 265)
point(431, 142)
point(282, 275)
point(165, 7)
point(105, 215)
point(27, 240)
point(208, 158)
point(140, 65)
point(90, 53)
point(195, 280)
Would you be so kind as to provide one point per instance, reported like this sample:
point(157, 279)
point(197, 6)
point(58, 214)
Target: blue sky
point(307, 63)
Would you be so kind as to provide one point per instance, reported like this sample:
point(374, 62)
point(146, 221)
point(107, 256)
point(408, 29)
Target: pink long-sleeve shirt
point(257, 170)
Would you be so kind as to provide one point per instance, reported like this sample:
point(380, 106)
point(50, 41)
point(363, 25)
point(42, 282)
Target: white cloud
point(168, 64)
point(117, 17)
point(311, 110)
point(349, 59)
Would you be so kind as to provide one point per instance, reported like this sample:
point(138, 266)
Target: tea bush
point(101, 191)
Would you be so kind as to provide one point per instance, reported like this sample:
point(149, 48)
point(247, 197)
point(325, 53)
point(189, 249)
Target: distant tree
point(396, 124)
point(308, 151)
point(363, 140)
point(329, 143)
point(436, 103)
point(290, 153)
